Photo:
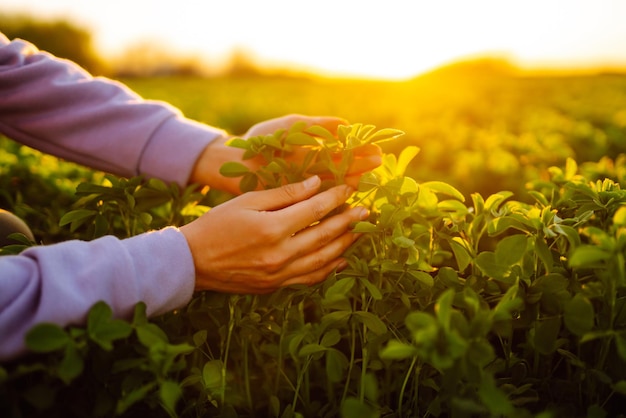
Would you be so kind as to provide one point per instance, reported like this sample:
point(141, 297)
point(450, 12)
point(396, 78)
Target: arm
point(56, 107)
point(59, 283)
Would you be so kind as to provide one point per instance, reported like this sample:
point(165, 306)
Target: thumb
point(283, 196)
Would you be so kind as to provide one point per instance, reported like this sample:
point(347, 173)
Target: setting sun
point(395, 39)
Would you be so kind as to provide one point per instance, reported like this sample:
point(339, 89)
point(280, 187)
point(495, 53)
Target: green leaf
point(422, 277)
point(102, 329)
point(233, 169)
point(353, 408)
point(619, 218)
point(320, 132)
point(364, 227)
point(510, 250)
point(405, 158)
point(494, 399)
point(199, 338)
point(480, 352)
point(487, 263)
point(212, 375)
point(302, 139)
point(595, 411)
point(150, 334)
point(310, 349)
point(588, 256)
point(494, 201)
point(498, 225)
point(578, 315)
point(370, 387)
point(571, 168)
point(371, 321)
point(341, 287)
point(620, 344)
point(170, 392)
point(336, 364)
point(452, 206)
point(331, 338)
point(543, 252)
point(334, 317)
point(385, 134)
point(397, 350)
point(449, 277)
point(133, 397)
point(424, 327)
point(443, 308)
point(139, 314)
point(368, 181)
point(238, 143)
point(507, 304)
point(274, 167)
point(46, 337)
point(408, 186)
point(403, 242)
point(444, 188)
point(620, 387)
point(463, 258)
point(248, 183)
point(72, 364)
point(546, 333)
point(373, 290)
point(77, 215)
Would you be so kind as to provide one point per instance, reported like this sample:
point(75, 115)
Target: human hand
point(263, 240)
point(206, 169)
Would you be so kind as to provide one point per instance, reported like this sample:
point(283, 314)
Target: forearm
point(59, 283)
point(56, 107)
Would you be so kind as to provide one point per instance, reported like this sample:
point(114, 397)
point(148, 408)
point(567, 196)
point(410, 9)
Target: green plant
point(494, 308)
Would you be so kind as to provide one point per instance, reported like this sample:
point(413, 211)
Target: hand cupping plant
point(452, 305)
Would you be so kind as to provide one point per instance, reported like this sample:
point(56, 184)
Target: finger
point(315, 267)
point(367, 150)
point(353, 181)
point(281, 197)
point(302, 214)
point(361, 151)
point(316, 237)
point(331, 123)
point(363, 165)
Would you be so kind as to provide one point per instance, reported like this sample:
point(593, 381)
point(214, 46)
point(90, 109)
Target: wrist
point(207, 166)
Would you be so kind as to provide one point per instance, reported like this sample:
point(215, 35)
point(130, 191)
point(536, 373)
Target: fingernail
point(348, 191)
point(311, 183)
point(363, 213)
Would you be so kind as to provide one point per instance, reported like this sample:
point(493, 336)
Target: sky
point(392, 39)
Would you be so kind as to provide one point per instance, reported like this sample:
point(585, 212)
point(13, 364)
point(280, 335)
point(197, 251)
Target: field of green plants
point(490, 279)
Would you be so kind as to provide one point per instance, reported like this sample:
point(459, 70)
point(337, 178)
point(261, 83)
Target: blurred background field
point(479, 128)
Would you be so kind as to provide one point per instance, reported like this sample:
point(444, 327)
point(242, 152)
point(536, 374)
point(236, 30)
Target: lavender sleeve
point(59, 283)
point(54, 106)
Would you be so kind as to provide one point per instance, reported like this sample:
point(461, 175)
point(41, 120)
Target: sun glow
point(395, 39)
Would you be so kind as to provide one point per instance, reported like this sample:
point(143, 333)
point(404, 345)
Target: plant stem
point(365, 301)
point(364, 355)
point(352, 353)
point(246, 376)
point(300, 377)
point(231, 325)
point(405, 382)
point(280, 345)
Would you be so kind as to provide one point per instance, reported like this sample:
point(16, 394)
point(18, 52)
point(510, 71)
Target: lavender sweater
point(54, 106)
